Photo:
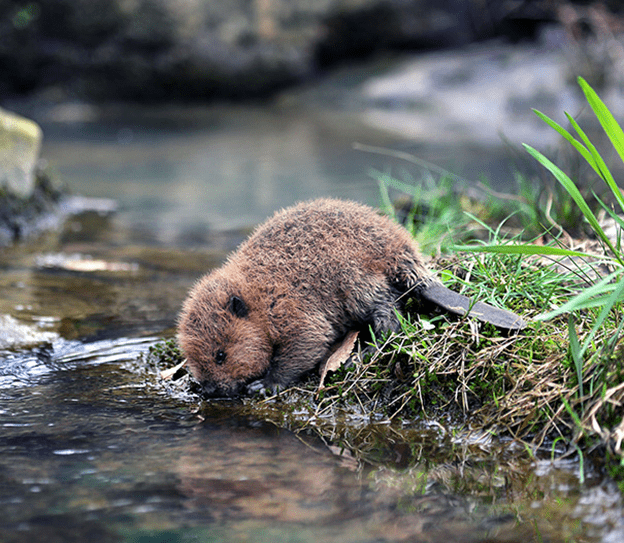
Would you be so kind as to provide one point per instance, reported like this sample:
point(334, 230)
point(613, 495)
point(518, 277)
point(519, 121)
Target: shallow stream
point(94, 446)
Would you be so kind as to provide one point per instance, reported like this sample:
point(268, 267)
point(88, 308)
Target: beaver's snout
point(212, 390)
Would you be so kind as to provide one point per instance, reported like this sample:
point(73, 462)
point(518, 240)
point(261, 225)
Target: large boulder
point(202, 49)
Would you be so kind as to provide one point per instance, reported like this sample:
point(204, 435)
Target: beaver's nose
point(209, 389)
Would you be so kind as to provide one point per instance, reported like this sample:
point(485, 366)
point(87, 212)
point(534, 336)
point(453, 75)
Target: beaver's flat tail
point(461, 305)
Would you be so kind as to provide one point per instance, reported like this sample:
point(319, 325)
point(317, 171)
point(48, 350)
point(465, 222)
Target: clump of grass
point(439, 366)
point(445, 210)
point(592, 388)
point(563, 378)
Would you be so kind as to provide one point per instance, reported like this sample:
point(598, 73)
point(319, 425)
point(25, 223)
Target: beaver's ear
point(238, 307)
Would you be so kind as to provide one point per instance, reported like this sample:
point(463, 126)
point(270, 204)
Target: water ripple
point(27, 368)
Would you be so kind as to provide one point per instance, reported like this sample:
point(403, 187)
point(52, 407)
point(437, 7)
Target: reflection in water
point(97, 446)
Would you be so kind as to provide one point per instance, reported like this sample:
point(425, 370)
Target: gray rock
point(201, 49)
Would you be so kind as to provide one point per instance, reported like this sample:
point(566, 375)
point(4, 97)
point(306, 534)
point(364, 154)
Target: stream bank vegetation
point(557, 387)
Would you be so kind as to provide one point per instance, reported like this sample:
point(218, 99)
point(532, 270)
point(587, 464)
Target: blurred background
point(199, 116)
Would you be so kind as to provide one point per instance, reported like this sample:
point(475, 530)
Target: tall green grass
point(607, 292)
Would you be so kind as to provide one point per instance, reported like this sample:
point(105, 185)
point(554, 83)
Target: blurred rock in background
point(202, 50)
point(20, 142)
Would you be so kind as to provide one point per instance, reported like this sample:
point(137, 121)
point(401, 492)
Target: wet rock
point(28, 199)
point(30, 202)
point(14, 334)
point(20, 142)
point(23, 218)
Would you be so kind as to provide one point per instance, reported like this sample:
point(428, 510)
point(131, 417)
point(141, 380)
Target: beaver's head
point(222, 335)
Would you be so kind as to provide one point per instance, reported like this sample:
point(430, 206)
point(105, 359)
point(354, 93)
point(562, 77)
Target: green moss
point(166, 353)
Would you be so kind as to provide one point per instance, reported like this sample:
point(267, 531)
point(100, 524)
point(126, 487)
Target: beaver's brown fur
point(283, 301)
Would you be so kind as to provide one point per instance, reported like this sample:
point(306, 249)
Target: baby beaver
point(293, 290)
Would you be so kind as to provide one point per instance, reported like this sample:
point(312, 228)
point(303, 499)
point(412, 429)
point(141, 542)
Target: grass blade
point(569, 185)
point(386, 206)
point(587, 155)
point(593, 296)
point(520, 249)
point(618, 219)
point(606, 119)
point(600, 166)
point(576, 353)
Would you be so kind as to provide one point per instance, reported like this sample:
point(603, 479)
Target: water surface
point(179, 173)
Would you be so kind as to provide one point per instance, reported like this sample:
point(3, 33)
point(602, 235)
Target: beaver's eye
point(220, 358)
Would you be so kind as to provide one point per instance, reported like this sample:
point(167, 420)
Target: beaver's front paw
point(262, 388)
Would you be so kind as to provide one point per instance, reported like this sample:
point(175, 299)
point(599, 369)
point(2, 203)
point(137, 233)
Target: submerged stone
point(14, 334)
